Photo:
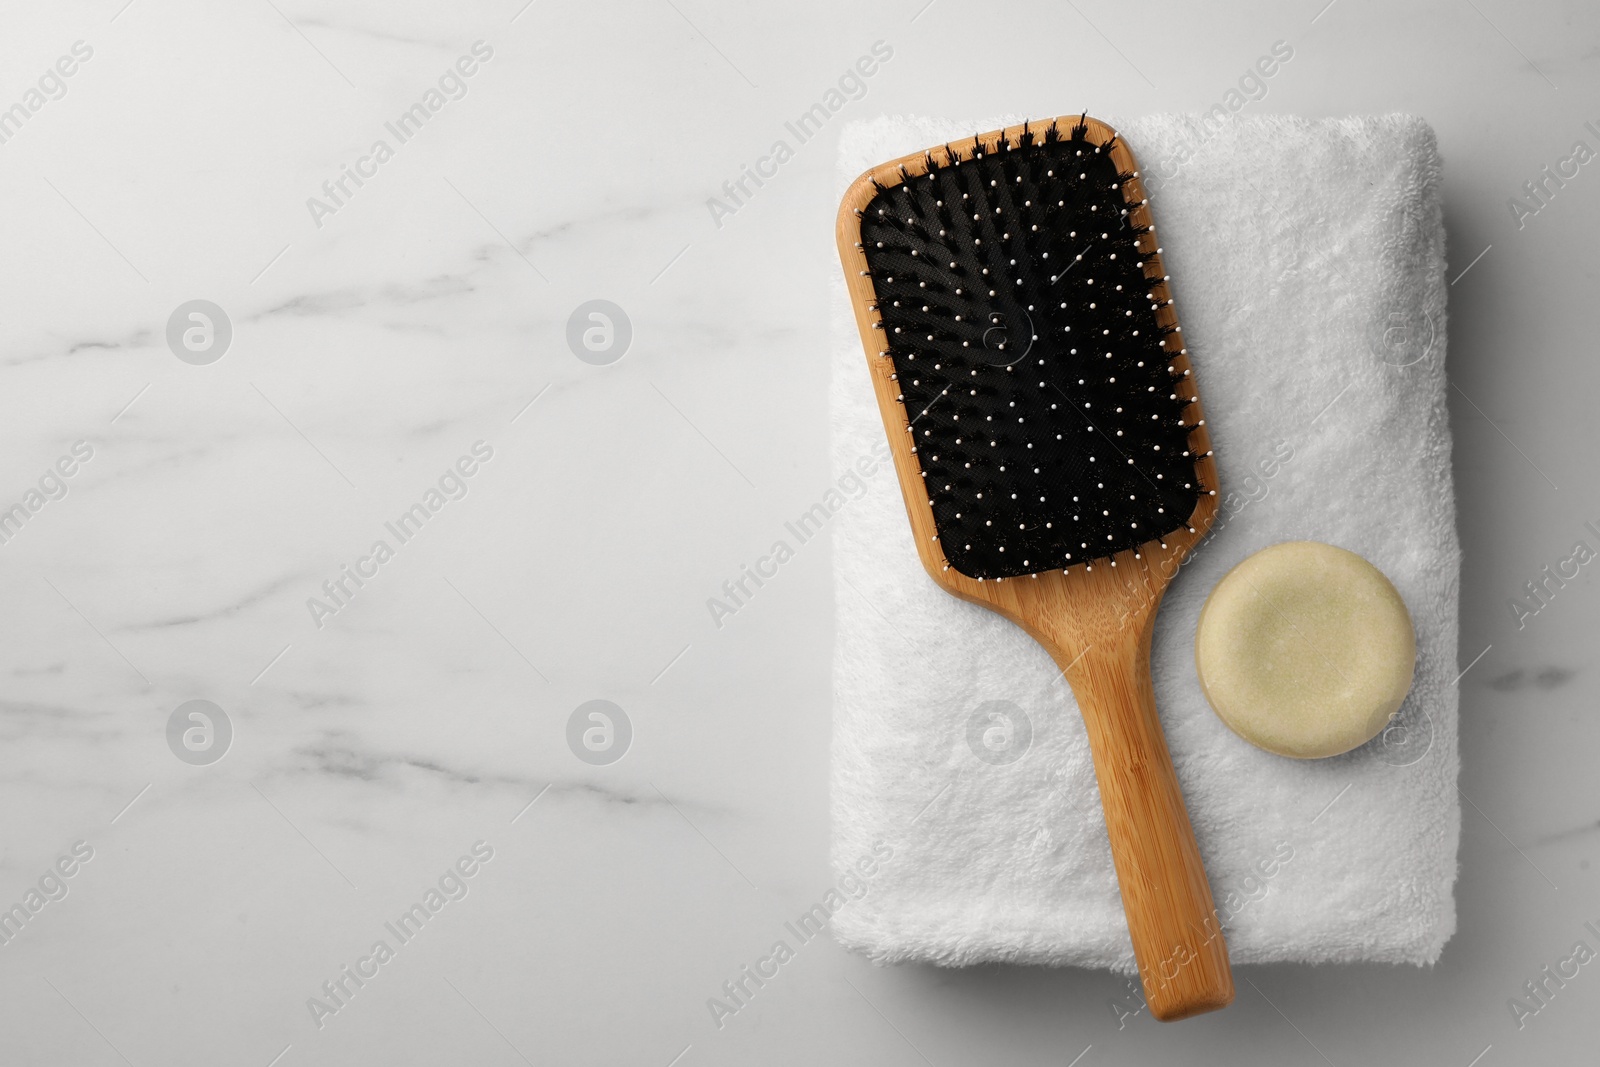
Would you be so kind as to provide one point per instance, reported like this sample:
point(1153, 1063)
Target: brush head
point(1045, 388)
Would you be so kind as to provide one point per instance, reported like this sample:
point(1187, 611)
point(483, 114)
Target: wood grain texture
point(1095, 620)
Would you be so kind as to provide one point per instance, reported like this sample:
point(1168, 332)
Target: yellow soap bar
point(1305, 649)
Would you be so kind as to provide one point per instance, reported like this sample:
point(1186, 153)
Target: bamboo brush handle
point(1177, 939)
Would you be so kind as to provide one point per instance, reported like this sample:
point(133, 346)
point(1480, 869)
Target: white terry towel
point(1307, 264)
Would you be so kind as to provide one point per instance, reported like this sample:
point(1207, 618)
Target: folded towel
point(1307, 261)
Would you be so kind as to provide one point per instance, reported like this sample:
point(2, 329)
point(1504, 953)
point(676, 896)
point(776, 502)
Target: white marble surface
point(423, 716)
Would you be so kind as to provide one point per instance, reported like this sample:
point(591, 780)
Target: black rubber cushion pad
point(1017, 310)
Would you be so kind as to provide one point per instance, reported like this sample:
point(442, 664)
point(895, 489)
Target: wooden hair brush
point(1051, 448)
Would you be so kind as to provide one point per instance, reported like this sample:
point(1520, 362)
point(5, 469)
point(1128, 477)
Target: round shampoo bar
point(1305, 650)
